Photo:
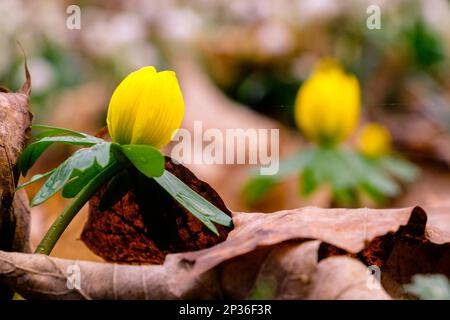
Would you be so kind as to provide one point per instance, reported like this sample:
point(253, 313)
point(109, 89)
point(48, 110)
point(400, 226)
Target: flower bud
point(327, 106)
point(374, 140)
point(146, 108)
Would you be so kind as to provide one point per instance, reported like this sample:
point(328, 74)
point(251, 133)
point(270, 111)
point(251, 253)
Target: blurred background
point(240, 65)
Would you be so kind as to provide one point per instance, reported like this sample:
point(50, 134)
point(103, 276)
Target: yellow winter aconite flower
point(146, 108)
point(374, 140)
point(327, 106)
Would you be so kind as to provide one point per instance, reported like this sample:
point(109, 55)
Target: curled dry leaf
point(351, 230)
point(44, 277)
point(307, 253)
point(147, 223)
point(15, 120)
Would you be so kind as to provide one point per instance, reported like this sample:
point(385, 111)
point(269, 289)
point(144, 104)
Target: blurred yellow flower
point(374, 140)
point(327, 106)
point(146, 108)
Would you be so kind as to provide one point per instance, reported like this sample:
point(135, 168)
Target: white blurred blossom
point(43, 74)
point(135, 56)
point(437, 14)
point(179, 24)
point(103, 33)
point(274, 38)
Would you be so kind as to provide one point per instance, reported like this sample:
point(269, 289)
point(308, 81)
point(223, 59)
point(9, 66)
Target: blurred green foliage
point(426, 47)
point(429, 287)
point(349, 175)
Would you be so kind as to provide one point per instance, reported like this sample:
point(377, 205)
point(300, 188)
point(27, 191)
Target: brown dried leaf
point(288, 252)
point(293, 266)
point(15, 121)
point(347, 229)
point(291, 270)
point(148, 223)
point(376, 237)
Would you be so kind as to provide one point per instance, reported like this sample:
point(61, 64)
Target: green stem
point(48, 242)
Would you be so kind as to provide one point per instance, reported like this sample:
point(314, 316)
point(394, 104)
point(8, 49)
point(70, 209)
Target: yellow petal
point(146, 108)
point(374, 140)
point(328, 104)
point(160, 111)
